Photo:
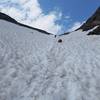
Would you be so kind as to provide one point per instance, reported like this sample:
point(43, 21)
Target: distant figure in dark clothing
point(60, 41)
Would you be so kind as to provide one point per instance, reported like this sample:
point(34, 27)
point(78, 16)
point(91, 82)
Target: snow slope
point(34, 66)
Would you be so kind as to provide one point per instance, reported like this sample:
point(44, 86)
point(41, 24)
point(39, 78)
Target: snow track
point(34, 66)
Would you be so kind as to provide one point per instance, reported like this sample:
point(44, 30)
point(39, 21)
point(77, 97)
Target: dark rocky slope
point(93, 21)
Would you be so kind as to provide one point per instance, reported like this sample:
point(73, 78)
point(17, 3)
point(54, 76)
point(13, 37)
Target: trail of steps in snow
point(36, 67)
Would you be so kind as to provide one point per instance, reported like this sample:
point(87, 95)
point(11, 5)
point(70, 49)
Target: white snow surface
point(34, 66)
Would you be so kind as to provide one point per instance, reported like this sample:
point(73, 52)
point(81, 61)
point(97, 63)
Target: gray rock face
point(95, 32)
point(93, 21)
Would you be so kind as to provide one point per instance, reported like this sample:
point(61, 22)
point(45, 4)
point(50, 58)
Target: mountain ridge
point(93, 21)
point(10, 19)
point(90, 23)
